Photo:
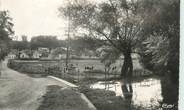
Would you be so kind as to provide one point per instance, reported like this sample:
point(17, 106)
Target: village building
point(12, 55)
point(36, 55)
point(42, 49)
point(57, 53)
point(24, 55)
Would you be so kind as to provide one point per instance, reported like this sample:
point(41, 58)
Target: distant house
point(44, 52)
point(36, 54)
point(57, 53)
point(24, 55)
point(42, 49)
point(84, 56)
point(60, 56)
point(12, 55)
point(73, 56)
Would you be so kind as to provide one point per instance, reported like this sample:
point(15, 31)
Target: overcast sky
point(36, 17)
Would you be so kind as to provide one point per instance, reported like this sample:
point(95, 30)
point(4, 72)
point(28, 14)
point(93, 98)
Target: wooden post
point(115, 86)
point(0, 67)
point(105, 78)
point(78, 73)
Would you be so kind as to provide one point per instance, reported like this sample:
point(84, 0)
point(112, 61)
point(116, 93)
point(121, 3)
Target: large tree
point(117, 22)
point(160, 51)
point(5, 33)
point(114, 20)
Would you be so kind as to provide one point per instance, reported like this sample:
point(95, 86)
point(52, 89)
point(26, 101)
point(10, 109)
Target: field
point(79, 63)
point(80, 69)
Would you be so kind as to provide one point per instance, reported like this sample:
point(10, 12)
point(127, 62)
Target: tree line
point(6, 33)
point(78, 43)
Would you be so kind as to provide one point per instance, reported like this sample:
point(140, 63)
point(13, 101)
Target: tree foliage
point(81, 44)
point(161, 34)
point(20, 45)
point(44, 41)
point(160, 50)
point(6, 32)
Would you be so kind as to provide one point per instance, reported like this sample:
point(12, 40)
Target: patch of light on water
point(145, 93)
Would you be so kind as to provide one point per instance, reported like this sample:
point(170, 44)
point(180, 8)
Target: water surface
point(146, 93)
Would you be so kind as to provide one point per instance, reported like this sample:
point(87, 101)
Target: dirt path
point(21, 92)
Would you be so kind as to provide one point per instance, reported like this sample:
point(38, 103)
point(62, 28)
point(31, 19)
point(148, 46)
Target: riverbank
point(105, 100)
point(58, 98)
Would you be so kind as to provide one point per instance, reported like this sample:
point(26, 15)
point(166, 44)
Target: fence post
point(0, 67)
point(78, 74)
point(105, 79)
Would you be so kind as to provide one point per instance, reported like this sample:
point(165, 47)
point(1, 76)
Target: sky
point(36, 17)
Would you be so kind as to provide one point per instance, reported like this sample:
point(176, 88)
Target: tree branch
point(117, 47)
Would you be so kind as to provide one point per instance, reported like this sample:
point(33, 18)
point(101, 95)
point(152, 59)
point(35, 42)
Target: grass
point(105, 100)
point(57, 98)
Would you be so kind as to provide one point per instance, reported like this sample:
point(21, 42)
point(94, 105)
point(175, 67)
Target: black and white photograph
point(90, 55)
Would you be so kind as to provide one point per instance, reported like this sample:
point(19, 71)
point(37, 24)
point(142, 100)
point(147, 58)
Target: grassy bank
point(104, 100)
point(58, 98)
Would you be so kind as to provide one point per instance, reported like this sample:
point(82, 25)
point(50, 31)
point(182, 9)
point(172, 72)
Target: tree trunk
point(127, 68)
point(126, 75)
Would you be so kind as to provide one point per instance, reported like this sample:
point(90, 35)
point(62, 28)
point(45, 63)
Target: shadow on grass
point(58, 98)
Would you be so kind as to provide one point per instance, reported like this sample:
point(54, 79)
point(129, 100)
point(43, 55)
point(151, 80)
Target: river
point(146, 93)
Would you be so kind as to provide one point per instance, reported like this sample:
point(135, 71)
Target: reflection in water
point(146, 93)
point(127, 91)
